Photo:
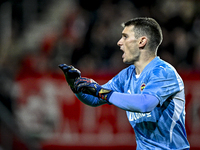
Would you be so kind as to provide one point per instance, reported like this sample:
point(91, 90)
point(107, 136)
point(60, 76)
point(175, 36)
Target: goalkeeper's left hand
point(71, 75)
point(89, 86)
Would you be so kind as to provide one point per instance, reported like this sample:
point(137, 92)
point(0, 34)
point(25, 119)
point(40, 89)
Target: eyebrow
point(124, 34)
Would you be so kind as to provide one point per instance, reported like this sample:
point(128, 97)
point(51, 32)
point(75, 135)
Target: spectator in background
point(84, 32)
point(6, 83)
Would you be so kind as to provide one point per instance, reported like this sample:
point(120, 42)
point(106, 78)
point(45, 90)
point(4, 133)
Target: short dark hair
point(144, 26)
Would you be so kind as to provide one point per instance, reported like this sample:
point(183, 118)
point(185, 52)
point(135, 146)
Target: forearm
point(89, 99)
point(134, 102)
point(99, 95)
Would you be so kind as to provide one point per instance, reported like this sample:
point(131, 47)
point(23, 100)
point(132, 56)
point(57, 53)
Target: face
point(129, 45)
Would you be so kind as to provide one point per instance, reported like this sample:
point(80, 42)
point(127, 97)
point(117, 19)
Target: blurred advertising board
point(48, 111)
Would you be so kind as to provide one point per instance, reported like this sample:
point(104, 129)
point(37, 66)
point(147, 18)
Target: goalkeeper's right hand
point(71, 74)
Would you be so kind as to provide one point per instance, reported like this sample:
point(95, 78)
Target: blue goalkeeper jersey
point(164, 126)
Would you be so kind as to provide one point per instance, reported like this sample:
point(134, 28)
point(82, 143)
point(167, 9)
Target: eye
point(124, 36)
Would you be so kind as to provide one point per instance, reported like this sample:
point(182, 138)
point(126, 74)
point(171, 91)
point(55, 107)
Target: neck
point(143, 61)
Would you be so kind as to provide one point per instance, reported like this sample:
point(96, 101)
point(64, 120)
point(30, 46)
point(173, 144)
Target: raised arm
point(129, 102)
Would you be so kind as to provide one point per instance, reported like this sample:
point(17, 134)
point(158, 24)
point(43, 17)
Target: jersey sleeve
point(163, 83)
point(116, 84)
point(90, 99)
point(134, 102)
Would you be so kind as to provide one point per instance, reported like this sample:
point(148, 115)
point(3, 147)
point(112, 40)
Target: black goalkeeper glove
point(89, 86)
point(71, 75)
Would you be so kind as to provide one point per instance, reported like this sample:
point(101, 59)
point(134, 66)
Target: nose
point(119, 43)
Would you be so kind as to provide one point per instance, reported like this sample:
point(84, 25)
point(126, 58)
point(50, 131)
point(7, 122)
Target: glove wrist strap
point(105, 94)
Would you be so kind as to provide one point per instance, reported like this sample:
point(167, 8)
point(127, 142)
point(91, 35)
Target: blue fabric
point(90, 100)
point(134, 102)
point(163, 125)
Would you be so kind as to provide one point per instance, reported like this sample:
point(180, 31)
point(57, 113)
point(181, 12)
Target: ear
point(143, 42)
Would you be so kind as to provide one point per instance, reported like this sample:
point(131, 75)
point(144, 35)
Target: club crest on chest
point(142, 87)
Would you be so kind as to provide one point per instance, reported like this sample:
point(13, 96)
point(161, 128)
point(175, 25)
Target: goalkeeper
point(149, 90)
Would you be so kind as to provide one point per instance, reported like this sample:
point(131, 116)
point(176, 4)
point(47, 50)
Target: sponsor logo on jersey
point(133, 116)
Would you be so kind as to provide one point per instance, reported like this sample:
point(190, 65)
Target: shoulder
point(167, 72)
point(123, 75)
point(164, 69)
point(126, 72)
point(118, 82)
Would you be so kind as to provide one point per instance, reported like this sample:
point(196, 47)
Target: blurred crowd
point(90, 31)
point(88, 35)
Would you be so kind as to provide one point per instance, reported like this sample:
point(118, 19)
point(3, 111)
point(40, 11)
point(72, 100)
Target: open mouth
point(123, 55)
